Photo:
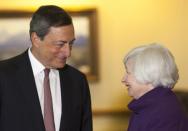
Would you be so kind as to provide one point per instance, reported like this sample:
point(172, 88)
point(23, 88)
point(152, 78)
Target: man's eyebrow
point(67, 41)
point(73, 40)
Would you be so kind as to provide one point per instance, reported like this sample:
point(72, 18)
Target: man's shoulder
point(12, 62)
point(70, 73)
point(71, 69)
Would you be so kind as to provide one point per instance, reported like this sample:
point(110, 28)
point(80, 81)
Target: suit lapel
point(26, 79)
point(66, 86)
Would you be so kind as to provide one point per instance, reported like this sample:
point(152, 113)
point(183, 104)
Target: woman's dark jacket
point(157, 110)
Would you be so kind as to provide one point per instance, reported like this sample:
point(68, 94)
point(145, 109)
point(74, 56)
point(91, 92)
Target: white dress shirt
point(38, 71)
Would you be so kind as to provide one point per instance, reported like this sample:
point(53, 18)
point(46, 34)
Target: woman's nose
point(123, 79)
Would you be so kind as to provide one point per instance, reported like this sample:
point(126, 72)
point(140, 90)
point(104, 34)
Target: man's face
point(55, 48)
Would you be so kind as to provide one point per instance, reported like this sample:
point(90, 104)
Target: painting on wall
point(14, 39)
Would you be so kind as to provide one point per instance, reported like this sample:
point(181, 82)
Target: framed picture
point(14, 38)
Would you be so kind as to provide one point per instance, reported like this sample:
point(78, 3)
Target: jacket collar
point(148, 100)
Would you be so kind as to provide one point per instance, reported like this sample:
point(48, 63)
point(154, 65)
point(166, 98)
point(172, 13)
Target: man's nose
point(67, 50)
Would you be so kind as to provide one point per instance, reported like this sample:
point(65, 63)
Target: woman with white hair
point(151, 73)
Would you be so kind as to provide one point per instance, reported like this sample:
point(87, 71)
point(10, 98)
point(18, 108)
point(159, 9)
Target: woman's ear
point(35, 39)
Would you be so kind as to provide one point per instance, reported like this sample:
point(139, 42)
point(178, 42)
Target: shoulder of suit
point(13, 61)
point(71, 69)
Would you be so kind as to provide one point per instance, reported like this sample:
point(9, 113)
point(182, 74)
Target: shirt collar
point(36, 65)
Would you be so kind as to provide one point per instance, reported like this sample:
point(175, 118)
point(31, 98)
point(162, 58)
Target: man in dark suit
point(22, 98)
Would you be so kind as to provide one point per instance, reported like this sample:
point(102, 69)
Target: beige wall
point(124, 24)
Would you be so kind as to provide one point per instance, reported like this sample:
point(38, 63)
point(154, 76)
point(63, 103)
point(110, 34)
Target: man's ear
point(35, 39)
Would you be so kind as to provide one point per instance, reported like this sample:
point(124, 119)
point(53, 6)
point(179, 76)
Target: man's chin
point(60, 65)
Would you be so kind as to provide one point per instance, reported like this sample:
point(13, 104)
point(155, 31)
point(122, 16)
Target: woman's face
point(135, 88)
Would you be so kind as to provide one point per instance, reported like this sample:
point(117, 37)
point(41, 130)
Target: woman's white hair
point(153, 64)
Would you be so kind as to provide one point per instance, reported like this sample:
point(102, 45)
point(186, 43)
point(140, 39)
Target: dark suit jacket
point(19, 103)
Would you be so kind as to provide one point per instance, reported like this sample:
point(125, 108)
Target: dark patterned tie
point(48, 107)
